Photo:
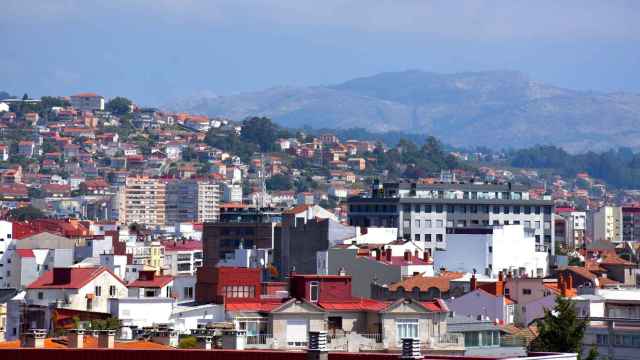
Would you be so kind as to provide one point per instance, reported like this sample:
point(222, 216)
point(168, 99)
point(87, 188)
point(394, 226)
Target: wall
point(362, 270)
point(143, 311)
point(477, 303)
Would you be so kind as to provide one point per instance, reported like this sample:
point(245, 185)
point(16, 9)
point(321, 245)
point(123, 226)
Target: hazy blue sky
point(153, 51)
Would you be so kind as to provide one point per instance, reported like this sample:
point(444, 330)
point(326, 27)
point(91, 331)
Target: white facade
point(92, 296)
point(607, 224)
point(480, 304)
point(6, 250)
point(143, 311)
point(184, 318)
point(247, 258)
point(508, 247)
point(231, 192)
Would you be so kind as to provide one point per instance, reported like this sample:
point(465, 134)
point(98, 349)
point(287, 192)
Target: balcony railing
point(261, 341)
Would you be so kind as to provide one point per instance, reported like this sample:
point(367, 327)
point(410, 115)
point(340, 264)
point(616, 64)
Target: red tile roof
point(254, 306)
point(182, 245)
point(89, 343)
point(25, 253)
point(355, 304)
point(79, 277)
point(156, 282)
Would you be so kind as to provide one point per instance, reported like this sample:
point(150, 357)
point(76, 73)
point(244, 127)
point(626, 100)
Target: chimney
point(76, 338)
point(473, 282)
point(106, 339)
point(34, 339)
point(500, 284)
point(500, 276)
point(569, 282)
point(378, 254)
point(416, 254)
point(61, 276)
point(388, 254)
point(342, 272)
point(407, 255)
point(562, 285)
point(509, 275)
point(425, 255)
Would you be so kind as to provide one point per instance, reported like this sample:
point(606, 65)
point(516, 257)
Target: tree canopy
point(118, 105)
point(26, 213)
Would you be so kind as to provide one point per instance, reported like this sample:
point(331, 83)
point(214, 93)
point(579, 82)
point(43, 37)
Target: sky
point(156, 51)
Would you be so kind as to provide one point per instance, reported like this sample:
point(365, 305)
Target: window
point(438, 237)
point(527, 210)
point(427, 208)
point(507, 209)
point(537, 210)
point(112, 290)
point(427, 237)
point(527, 224)
point(89, 304)
point(462, 223)
point(471, 338)
point(40, 295)
point(427, 223)
point(417, 223)
point(496, 209)
point(526, 291)
point(537, 224)
point(439, 224)
point(314, 291)
point(169, 291)
point(516, 209)
point(98, 290)
point(188, 292)
point(406, 328)
point(416, 237)
point(602, 339)
point(439, 209)
point(490, 249)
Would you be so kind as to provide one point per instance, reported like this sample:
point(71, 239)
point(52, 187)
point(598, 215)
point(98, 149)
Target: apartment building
point(87, 102)
point(142, 200)
point(192, 200)
point(631, 223)
point(423, 213)
point(606, 224)
point(575, 226)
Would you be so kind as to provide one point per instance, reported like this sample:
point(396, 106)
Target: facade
point(231, 192)
point(631, 223)
point(575, 227)
point(606, 224)
point(239, 226)
point(423, 213)
point(182, 257)
point(142, 200)
point(192, 200)
point(87, 102)
point(490, 250)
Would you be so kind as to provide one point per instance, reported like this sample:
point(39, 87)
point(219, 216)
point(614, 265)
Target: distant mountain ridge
point(498, 109)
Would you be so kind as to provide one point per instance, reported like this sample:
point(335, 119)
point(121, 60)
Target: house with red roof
point(182, 257)
point(77, 288)
point(485, 301)
point(150, 285)
point(320, 302)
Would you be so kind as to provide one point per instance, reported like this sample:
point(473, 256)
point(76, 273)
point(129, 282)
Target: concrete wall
point(362, 270)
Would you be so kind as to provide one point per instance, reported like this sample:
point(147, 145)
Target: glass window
point(417, 223)
point(416, 237)
point(427, 208)
point(496, 209)
point(439, 223)
point(427, 237)
point(406, 328)
point(439, 209)
point(314, 291)
point(439, 237)
point(516, 209)
point(427, 223)
point(527, 210)
point(471, 338)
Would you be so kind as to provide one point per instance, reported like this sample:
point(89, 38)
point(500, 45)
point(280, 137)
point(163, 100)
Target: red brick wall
point(331, 287)
point(211, 282)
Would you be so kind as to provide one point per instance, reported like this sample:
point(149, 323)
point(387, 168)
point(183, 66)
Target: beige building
point(606, 224)
point(142, 201)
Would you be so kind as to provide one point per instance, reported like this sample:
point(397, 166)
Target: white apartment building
point(142, 201)
point(424, 213)
point(6, 250)
point(231, 192)
point(575, 227)
point(182, 257)
point(491, 250)
point(606, 224)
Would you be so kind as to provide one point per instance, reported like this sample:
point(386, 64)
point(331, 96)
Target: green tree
point(188, 342)
point(279, 183)
point(260, 131)
point(560, 330)
point(118, 105)
point(26, 213)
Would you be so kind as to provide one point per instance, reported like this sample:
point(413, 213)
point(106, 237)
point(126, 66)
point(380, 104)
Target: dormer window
point(314, 291)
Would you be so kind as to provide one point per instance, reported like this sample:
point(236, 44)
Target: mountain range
point(498, 109)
